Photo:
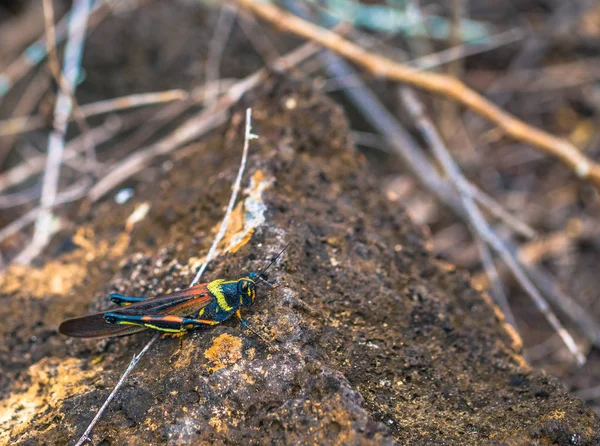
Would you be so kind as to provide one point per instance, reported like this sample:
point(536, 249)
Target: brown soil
point(374, 341)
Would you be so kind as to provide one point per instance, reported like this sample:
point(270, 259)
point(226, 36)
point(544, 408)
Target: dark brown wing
point(94, 326)
point(180, 303)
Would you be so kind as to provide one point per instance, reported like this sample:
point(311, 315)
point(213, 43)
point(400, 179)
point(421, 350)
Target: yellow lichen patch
point(52, 278)
point(245, 239)
point(557, 414)
point(222, 418)
point(217, 424)
point(61, 276)
point(247, 215)
point(51, 381)
point(225, 350)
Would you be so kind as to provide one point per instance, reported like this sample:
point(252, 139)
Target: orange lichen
point(247, 215)
point(225, 350)
point(61, 276)
point(557, 414)
point(51, 382)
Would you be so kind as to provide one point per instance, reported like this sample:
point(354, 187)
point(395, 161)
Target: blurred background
point(83, 91)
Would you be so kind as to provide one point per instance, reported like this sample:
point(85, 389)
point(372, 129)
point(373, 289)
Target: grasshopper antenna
point(261, 274)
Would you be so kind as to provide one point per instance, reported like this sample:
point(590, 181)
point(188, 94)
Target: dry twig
point(480, 225)
point(23, 124)
point(43, 225)
point(63, 84)
point(436, 83)
point(223, 28)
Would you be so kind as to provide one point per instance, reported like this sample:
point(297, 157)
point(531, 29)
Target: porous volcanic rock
point(373, 341)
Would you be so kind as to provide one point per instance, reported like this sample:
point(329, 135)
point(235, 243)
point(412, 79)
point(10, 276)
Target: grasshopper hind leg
point(168, 324)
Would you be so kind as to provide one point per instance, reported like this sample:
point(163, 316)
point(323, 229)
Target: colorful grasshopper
point(201, 305)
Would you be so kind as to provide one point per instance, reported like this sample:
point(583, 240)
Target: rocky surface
point(373, 341)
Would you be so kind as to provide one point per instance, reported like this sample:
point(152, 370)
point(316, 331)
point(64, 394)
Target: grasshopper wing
point(94, 326)
point(186, 302)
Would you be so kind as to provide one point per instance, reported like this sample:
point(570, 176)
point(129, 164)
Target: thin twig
point(36, 52)
point(223, 27)
point(436, 83)
point(490, 203)
point(211, 252)
point(62, 82)
point(23, 124)
point(132, 364)
point(498, 293)
point(62, 110)
point(236, 188)
point(479, 223)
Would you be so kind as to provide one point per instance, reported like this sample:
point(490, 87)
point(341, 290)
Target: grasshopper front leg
point(245, 324)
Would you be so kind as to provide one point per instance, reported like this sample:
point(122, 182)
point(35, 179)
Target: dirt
point(372, 339)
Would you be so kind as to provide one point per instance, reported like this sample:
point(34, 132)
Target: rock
point(373, 341)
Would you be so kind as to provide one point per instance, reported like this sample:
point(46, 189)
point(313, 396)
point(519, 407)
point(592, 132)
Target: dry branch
point(27, 123)
point(436, 83)
point(56, 143)
point(479, 223)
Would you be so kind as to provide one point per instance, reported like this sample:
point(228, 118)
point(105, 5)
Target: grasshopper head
point(247, 289)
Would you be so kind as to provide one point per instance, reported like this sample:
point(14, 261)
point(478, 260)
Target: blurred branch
point(36, 52)
point(27, 123)
point(436, 83)
point(62, 82)
point(43, 226)
point(478, 221)
point(223, 28)
point(73, 193)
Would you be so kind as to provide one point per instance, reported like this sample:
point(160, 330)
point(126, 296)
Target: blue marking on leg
point(114, 318)
point(244, 323)
point(123, 300)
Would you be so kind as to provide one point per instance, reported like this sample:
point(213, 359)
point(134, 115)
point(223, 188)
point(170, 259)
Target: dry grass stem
point(479, 223)
point(435, 83)
point(44, 223)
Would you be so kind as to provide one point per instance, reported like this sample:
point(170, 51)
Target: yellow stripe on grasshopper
point(215, 288)
point(154, 327)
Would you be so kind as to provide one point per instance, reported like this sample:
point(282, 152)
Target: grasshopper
point(200, 306)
